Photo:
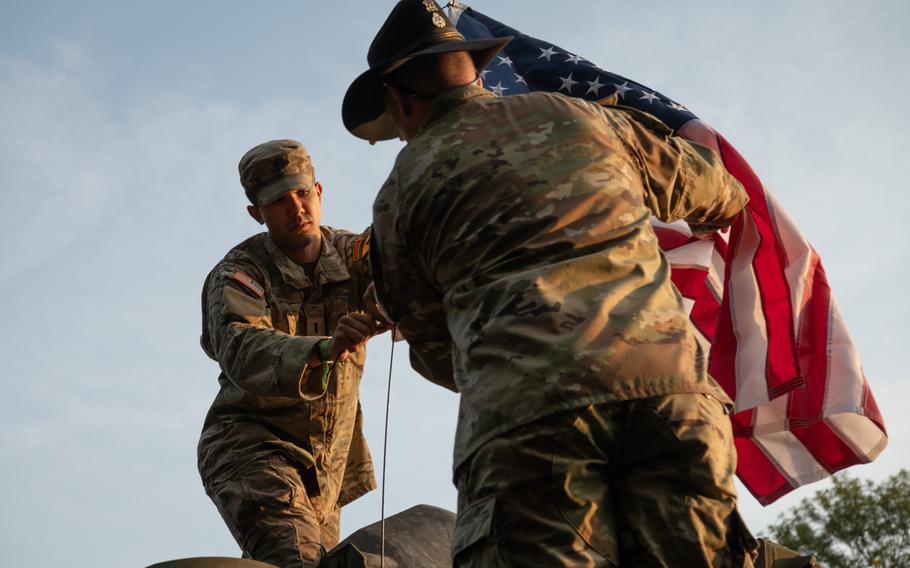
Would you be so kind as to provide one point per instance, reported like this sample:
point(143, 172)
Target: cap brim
point(363, 110)
point(282, 185)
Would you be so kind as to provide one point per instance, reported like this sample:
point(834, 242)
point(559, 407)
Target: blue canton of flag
point(527, 64)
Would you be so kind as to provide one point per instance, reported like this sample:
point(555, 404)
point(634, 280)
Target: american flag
point(757, 293)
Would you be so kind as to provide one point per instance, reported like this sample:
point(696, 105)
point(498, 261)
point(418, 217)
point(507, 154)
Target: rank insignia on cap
point(249, 283)
point(438, 20)
point(430, 5)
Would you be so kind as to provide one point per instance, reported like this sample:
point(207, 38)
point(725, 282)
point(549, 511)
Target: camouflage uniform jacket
point(517, 255)
point(261, 319)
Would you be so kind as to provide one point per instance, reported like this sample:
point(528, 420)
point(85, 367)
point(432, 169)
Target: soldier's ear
point(254, 213)
point(401, 108)
point(398, 103)
point(318, 187)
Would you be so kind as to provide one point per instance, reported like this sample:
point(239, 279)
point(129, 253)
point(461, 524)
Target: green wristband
point(323, 349)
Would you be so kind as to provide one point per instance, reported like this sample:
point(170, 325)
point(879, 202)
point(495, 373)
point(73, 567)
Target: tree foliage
point(853, 523)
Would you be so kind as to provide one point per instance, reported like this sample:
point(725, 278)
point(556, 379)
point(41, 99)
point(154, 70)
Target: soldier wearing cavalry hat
point(518, 260)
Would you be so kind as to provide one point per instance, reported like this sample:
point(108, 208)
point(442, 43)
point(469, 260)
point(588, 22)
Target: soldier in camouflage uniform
point(512, 244)
point(282, 448)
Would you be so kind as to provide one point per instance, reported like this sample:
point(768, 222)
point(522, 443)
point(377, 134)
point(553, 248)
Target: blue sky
point(121, 124)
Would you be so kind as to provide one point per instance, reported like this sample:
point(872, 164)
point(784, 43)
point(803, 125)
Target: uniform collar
point(449, 100)
point(330, 266)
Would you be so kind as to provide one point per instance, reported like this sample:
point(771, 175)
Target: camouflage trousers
point(638, 483)
point(266, 507)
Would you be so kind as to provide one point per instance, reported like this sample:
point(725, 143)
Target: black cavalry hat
point(413, 29)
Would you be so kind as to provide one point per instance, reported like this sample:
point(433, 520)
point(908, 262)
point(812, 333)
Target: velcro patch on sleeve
point(248, 283)
point(361, 247)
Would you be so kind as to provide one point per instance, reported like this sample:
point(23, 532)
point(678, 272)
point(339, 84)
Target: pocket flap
point(473, 524)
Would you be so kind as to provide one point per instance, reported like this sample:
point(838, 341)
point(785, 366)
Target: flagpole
point(455, 10)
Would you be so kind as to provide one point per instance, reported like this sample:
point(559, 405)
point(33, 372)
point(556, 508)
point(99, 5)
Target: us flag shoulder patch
point(248, 283)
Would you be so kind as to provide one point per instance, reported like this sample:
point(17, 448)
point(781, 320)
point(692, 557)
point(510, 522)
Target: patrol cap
point(274, 168)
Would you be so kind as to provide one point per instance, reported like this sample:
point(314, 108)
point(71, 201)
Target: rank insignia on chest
point(248, 283)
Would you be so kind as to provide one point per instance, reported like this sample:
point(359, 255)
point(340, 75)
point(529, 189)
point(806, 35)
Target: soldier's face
point(293, 221)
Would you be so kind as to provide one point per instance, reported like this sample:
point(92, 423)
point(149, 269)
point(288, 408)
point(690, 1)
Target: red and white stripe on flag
point(758, 296)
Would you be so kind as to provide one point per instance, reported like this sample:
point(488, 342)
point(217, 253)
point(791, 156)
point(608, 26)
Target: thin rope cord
point(385, 446)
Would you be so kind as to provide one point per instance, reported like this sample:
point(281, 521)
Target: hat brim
point(284, 184)
point(363, 109)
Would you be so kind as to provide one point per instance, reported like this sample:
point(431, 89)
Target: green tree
point(854, 523)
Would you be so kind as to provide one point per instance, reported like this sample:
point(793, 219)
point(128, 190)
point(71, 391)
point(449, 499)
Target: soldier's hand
point(371, 304)
point(352, 331)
